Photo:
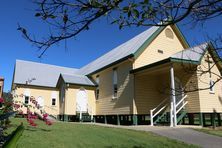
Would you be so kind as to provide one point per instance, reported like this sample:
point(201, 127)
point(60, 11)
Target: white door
point(40, 101)
point(81, 100)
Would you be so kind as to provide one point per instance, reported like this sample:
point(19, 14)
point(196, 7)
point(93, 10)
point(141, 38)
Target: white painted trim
point(173, 100)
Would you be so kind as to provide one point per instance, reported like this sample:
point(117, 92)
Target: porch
point(160, 91)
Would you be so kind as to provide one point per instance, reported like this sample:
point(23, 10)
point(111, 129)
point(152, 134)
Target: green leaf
point(129, 13)
point(37, 14)
point(114, 22)
point(146, 1)
point(83, 9)
point(65, 18)
point(52, 16)
point(125, 9)
point(136, 13)
point(121, 25)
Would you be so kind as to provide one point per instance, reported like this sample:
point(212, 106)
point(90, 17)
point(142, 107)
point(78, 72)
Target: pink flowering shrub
point(31, 116)
point(2, 100)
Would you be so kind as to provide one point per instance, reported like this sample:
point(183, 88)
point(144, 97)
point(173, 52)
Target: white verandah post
point(173, 116)
point(151, 117)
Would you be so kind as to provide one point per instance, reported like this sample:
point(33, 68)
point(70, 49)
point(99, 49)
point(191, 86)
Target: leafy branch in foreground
point(68, 18)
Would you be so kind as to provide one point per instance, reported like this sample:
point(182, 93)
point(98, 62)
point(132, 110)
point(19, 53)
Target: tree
point(68, 18)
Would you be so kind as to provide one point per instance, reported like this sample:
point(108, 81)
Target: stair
point(163, 117)
point(86, 117)
point(181, 115)
point(160, 118)
point(160, 115)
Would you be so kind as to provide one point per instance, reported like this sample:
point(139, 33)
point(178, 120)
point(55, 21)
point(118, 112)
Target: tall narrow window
point(97, 89)
point(115, 80)
point(211, 86)
point(53, 101)
point(26, 99)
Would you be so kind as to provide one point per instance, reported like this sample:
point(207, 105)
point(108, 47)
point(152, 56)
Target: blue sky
point(86, 47)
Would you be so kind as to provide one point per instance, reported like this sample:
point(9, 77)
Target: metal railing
point(154, 112)
point(181, 103)
point(78, 108)
point(90, 111)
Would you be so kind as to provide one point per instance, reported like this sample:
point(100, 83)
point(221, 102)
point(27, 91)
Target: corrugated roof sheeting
point(191, 54)
point(120, 52)
point(77, 79)
point(39, 74)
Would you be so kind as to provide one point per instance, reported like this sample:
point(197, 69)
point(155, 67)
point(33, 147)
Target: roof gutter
point(168, 60)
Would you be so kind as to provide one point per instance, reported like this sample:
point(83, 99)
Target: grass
point(12, 127)
point(71, 135)
point(216, 132)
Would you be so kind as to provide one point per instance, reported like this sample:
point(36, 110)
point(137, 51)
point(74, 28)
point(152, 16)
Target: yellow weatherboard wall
point(70, 99)
point(45, 93)
point(209, 101)
point(161, 42)
point(123, 104)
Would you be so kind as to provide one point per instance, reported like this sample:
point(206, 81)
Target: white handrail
point(181, 100)
point(152, 110)
point(159, 104)
point(90, 111)
point(181, 107)
point(78, 107)
point(159, 110)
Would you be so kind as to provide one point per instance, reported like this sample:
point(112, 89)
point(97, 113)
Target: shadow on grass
point(34, 129)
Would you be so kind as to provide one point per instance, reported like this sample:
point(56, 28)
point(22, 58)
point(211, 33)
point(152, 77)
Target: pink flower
point(45, 115)
point(16, 106)
point(48, 122)
point(33, 124)
point(2, 100)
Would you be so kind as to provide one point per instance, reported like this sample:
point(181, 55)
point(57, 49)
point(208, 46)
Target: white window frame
point(211, 84)
point(115, 83)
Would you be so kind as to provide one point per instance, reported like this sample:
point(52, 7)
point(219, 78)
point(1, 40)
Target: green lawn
point(217, 132)
point(71, 135)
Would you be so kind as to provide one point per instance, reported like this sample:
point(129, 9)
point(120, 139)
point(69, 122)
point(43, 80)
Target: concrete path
point(181, 133)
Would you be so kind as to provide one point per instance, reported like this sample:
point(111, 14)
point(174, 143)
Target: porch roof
point(191, 55)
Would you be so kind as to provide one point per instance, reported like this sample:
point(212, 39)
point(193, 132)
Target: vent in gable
point(169, 33)
point(160, 51)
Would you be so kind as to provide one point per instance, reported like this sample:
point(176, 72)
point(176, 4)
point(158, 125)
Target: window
point(26, 99)
point(169, 33)
point(97, 89)
point(211, 86)
point(115, 87)
point(53, 101)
